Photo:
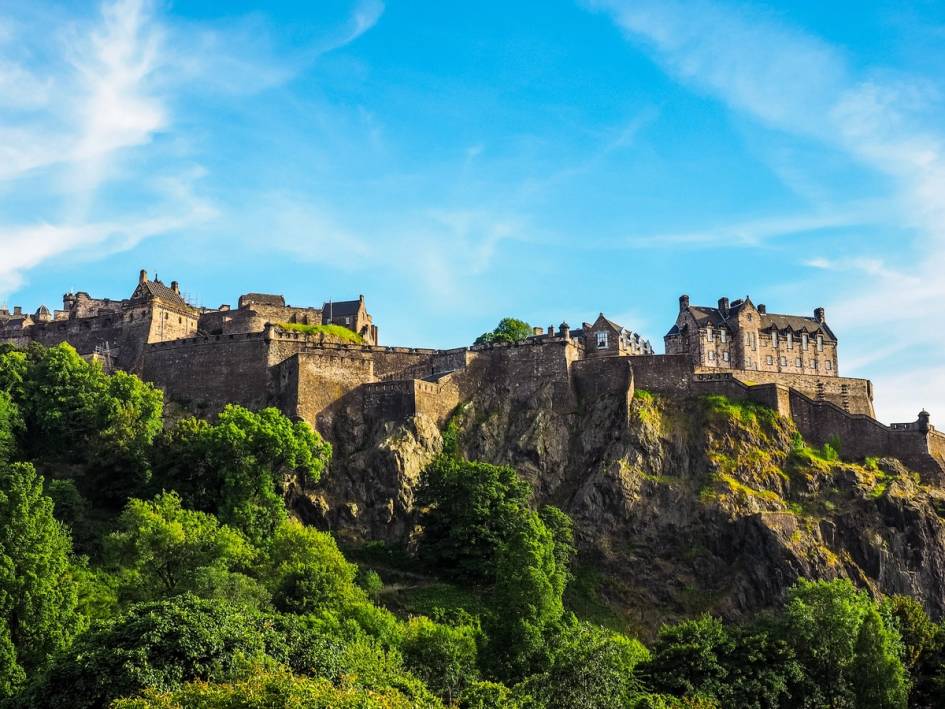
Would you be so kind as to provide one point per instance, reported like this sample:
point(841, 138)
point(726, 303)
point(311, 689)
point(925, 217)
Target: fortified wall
point(267, 353)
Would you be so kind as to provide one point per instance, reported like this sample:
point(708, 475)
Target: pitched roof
point(156, 289)
point(341, 308)
point(706, 316)
point(262, 299)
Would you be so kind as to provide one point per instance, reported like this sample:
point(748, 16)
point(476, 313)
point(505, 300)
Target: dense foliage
point(508, 330)
point(144, 567)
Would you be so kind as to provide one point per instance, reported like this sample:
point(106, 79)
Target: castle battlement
point(208, 358)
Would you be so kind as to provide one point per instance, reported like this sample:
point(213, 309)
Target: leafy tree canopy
point(38, 592)
point(508, 330)
point(236, 466)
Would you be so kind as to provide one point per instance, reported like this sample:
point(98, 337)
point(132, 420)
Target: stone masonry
point(206, 358)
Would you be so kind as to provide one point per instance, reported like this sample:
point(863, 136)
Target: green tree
point(38, 592)
point(880, 676)
point(158, 645)
point(527, 601)
point(443, 657)
point(268, 687)
point(74, 411)
point(237, 465)
point(689, 658)
point(162, 549)
point(467, 511)
point(590, 668)
point(822, 622)
point(307, 572)
point(508, 330)
point(13, 373)
point(11, 427)
point(562, 531)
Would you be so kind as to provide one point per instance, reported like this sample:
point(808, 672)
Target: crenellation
point(208, 358)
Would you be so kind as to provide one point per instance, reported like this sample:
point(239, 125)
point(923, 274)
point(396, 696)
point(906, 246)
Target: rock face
point(683, 505)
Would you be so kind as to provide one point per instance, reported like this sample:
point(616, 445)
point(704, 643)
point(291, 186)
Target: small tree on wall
point(508, 330)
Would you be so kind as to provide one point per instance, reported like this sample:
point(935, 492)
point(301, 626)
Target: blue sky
point(459, 162)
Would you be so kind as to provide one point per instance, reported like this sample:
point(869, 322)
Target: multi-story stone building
point(739, 335)
point(117, 331)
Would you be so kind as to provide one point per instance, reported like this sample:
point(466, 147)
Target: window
point(774, 340)
point(711, 356)
point(813, 364)
point(820, 343)
point(829, 365)
point(725, 356)
point(784, 361)
point(722, 334)
point(804, 341)
point(770, 360)
point(790, 340)
point(798, 363)
point(710, 334)
point(601, 340)
point(752, 342)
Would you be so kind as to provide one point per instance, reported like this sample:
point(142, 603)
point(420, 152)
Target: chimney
point(361, 299)
point(762, 308)
point(723, 306)
point(820, 315)
point(17, 309)
point(537, 331)
point(551, 330)
point(683, 302)
point(175, 286)
point(143, 276)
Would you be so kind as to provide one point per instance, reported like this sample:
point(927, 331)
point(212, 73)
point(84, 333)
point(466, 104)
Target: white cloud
point(792, 81)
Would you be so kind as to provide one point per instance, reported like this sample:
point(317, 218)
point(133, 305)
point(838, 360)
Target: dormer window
point(804, 341)
point(790, 340)
point(820, 343)
point(710, 334)
point(602, 340)
point(774, 339)
point(722, 334)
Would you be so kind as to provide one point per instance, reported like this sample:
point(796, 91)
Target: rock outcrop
point(684, 504)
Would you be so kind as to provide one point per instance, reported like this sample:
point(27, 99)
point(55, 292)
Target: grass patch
point(338, 331)
point(646, 407)
point(583, 597)
point(438, 600)
point(747, 412)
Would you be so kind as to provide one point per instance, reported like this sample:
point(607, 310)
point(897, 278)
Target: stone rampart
point(853, 395)
point(206, 373)
point(662, 373)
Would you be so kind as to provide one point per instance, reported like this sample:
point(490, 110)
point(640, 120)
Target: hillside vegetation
point(153, 564)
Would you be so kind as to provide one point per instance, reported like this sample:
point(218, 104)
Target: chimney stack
point(551, 330)
point(143, 276)
point(17, 309)
point(683, 302)
point(762, 308)
point(723, 306)
point(820, 315)
point(175, 286)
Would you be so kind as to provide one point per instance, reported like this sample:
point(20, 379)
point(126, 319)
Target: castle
point(267, 353)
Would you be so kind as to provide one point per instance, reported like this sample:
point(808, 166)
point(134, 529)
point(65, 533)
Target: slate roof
point(156, 289)
point(340, 308)
point(263, 299)
point(706, 316)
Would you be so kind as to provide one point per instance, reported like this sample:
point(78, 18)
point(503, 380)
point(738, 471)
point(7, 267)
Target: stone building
point(353, 315)
point(738, 335)
point(607, 338)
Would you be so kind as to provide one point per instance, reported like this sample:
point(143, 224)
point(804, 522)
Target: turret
point(564, 330)
point(683, 302)
point(923, 421)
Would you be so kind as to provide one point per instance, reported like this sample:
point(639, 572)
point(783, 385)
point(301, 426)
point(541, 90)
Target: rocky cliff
point(683, 504)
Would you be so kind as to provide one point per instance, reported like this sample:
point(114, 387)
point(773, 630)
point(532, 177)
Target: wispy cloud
point(794, 82)
point(83, 97)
